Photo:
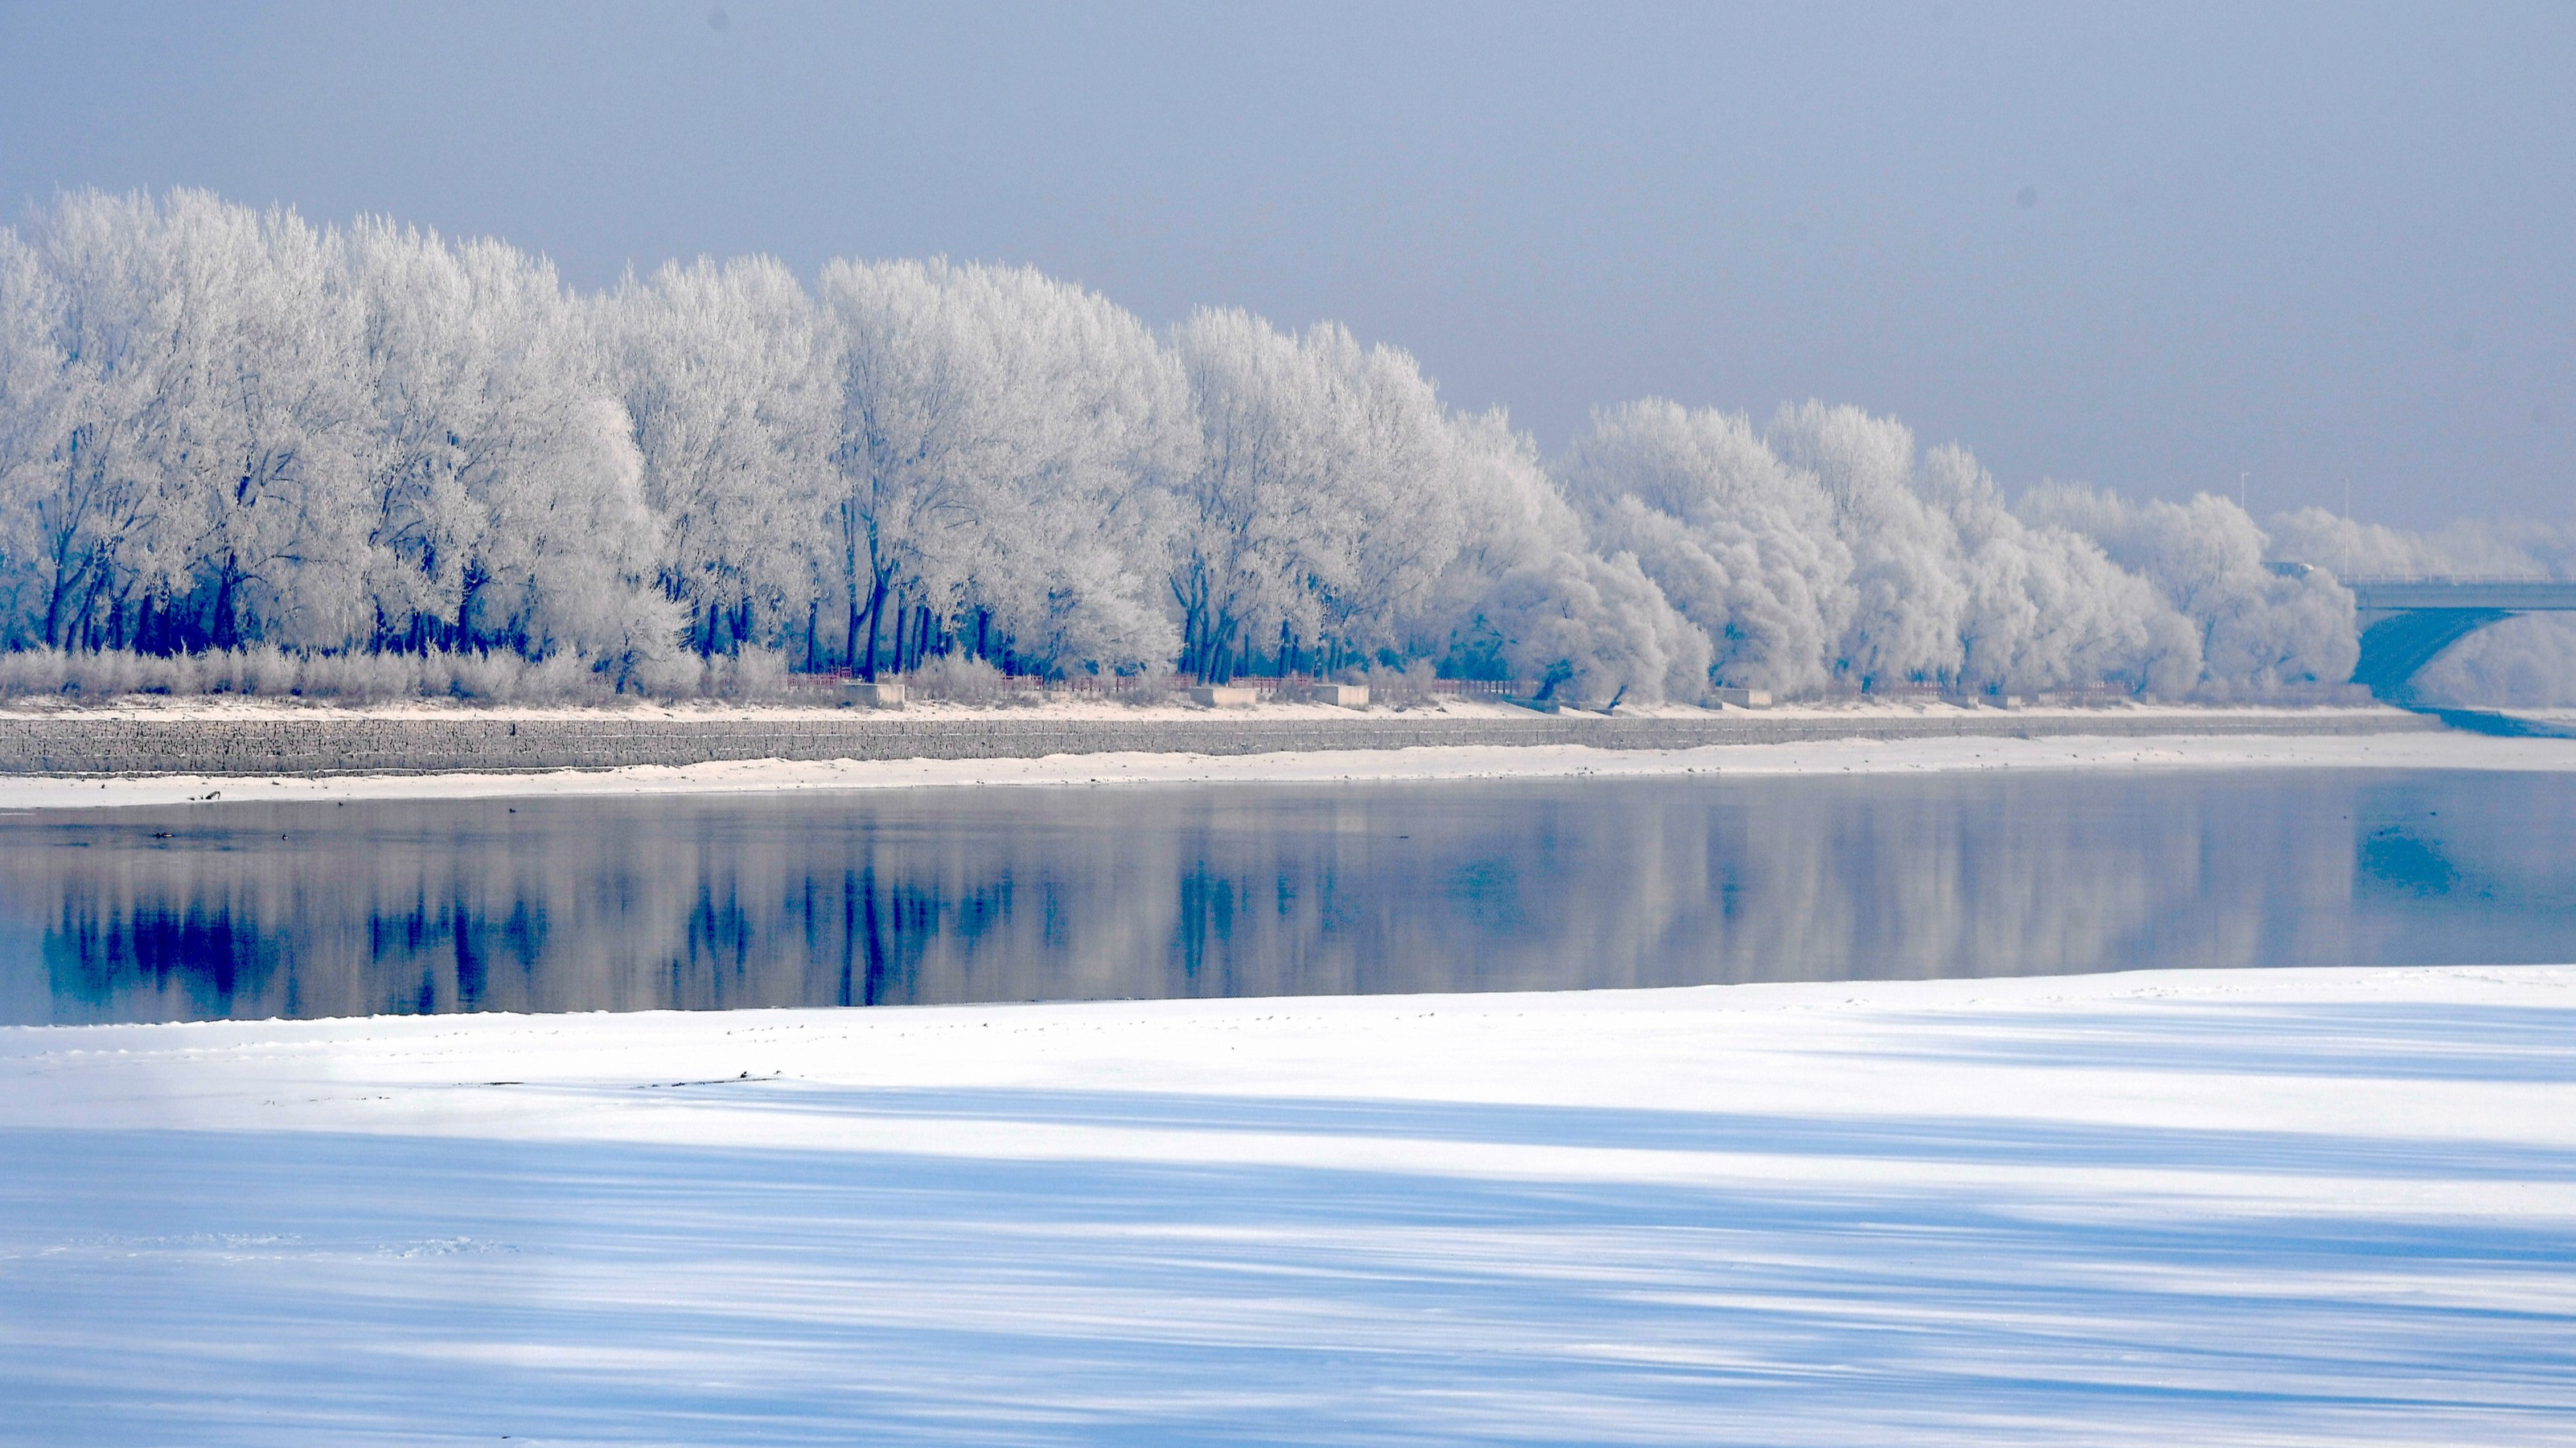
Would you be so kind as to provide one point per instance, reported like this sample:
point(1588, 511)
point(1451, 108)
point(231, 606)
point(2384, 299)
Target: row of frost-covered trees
point(222, 427)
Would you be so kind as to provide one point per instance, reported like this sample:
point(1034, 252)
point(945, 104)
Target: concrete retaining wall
point(75, 744)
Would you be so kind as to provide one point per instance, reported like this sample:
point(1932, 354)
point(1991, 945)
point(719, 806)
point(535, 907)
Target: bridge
point(2407, 622)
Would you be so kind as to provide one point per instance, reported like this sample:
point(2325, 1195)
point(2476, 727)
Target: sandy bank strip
point(1848, 756)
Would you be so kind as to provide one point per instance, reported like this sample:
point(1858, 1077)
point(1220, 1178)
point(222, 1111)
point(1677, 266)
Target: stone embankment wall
point(74, 744)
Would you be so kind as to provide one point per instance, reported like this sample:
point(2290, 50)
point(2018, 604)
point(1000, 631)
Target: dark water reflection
point(714, 902)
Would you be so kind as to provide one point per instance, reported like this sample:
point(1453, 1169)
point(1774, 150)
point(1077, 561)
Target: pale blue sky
point(2145, 246)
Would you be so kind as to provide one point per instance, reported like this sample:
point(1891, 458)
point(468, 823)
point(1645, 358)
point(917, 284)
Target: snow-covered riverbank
point(2249, 1207)
point(1837, 756)
point(268, 741)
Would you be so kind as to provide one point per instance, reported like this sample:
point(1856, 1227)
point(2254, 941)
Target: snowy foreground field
point(2186, 1208)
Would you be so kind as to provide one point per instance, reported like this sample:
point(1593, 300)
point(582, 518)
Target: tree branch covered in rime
point(224, 430)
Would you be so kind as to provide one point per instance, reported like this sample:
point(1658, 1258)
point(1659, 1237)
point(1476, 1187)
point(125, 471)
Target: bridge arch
point(2408, 622)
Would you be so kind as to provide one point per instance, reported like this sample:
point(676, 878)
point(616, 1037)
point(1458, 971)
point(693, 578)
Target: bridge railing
point(2446, 579)
point(2486, 595)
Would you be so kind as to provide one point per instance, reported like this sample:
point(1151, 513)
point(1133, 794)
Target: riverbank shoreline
point(2439, 749)
point(249, 740)
point(2299, 1206)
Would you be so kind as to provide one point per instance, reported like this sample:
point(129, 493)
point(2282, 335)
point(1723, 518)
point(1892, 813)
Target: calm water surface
point(715, 902)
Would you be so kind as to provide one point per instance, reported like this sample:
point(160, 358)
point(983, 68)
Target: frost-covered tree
point(1327, 499)
point(30, 369)
point(731, 377)
point(2257, 630)
point(1091, 422)
point(1529, 586)
point(1839, 554)
point(1742, 544)
point(2469, 548)
point(266, 391)
point(220, 427)
point(1909, 596)
point(999, 434)
point(91, 506)
point(505, 505)
point(2045, 607)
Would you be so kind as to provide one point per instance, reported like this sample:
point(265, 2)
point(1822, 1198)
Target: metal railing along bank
point(1147, 685)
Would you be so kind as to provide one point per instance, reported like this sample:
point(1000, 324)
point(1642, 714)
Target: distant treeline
point(223, 428)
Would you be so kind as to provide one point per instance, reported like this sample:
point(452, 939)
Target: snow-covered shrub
point(962, 680)
point(1409, 683)
point(34, 672)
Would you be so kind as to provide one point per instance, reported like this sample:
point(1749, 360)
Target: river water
point(939, 895)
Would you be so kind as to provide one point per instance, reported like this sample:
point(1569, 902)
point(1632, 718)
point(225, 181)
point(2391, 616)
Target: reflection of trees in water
point(953, 896)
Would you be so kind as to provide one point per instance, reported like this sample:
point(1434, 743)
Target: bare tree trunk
point(220, 627)
point(876, 621)
point(470, 585)
point(54, 613)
